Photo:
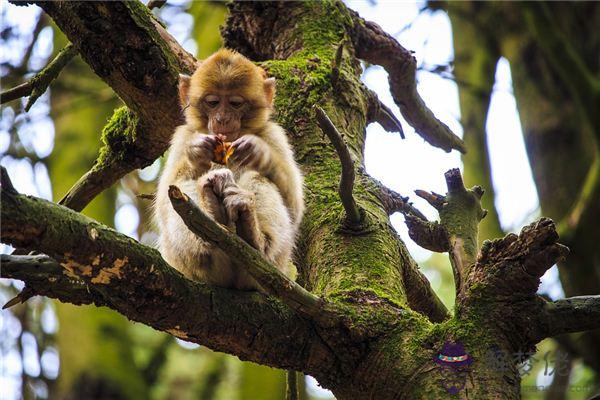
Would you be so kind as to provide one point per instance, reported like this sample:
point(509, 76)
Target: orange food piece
point(223, 150)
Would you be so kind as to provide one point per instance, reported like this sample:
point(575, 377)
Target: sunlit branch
point(37, 85)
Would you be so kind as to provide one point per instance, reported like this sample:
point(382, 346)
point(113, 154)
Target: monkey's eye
point(211, 101)
point(236, 102)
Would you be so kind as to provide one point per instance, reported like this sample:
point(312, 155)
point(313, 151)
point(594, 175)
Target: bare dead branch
point(353, 212)
point(380, 113)
point(395, 202)
point(20, 298)
point(377, 47)
point(267, 275)
point(37, 85)
point(429, 235)
point(437, 201)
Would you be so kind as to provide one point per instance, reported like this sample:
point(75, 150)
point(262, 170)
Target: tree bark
point(361, 339)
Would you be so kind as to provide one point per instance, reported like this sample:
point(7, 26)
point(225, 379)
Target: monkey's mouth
point(226, 130)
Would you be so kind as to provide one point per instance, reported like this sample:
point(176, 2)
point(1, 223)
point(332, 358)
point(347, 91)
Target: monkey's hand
point(250, 151)
point(201, 150)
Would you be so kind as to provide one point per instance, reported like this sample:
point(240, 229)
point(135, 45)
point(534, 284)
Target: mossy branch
point(500, 288)
point(460, 213)
point(37, 85)
point(354, 215)
point(44, 276)
point(123, 150)
point(429, 235)
point(267, 275)
point(88, 263)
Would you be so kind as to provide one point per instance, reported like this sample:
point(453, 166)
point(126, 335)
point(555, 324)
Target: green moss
point(326, 27)
point(461, 217)
point(118, 136)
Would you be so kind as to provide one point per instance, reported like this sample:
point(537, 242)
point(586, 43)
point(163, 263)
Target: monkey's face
point(224, 113)
point(227, 95)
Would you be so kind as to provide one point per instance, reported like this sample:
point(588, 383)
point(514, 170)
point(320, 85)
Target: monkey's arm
point(270, 154)
point(284, 172)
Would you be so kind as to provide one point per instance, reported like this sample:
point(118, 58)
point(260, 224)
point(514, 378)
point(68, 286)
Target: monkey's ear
point(270, 89)
point(184, 89)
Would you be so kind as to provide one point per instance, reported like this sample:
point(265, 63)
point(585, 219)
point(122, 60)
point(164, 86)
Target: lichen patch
point(74, 269)
point(177, 332)
point(106, 274)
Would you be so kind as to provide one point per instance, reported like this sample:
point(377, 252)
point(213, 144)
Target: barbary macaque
point(257, 192)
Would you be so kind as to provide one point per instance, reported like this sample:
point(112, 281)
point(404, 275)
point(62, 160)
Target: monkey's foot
point(212, 187)
point(239, 205)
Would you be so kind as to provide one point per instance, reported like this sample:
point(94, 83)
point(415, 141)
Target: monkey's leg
point(211, 187)
point(239, 204)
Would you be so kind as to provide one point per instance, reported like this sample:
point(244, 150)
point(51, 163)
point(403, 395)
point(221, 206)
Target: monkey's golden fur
point(259, 195)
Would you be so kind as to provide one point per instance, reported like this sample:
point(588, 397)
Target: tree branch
point(429, 235)
point(44, 276)
point(142, 68)
point(267, 275)
point(395, 202)
point(134, 280)
point(353, 212)
point(504, 281)
point(573, 314)
point(380, 113)
point(460, 213)
point(37, 85)
point(374, 45)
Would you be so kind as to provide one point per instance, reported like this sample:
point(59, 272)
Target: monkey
point(258, 193)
